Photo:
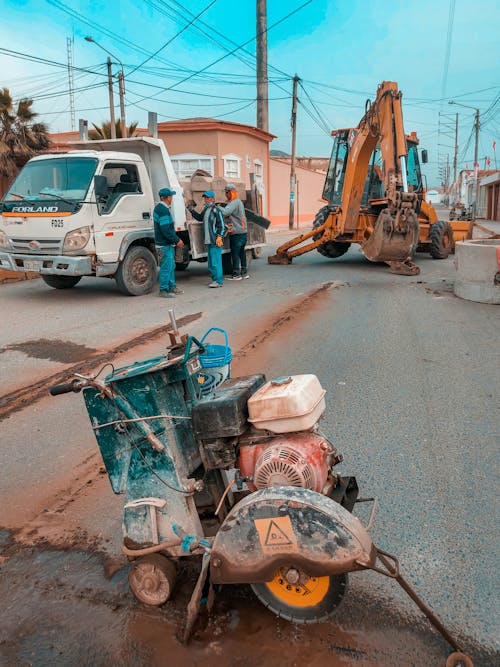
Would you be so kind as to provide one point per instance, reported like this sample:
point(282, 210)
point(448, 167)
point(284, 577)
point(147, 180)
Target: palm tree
point(104, 132)
point(20, 137)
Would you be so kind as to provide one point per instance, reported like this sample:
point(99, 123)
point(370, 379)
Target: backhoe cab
point(374, 192)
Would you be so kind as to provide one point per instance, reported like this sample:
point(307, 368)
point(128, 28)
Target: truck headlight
point(4, 240)
point(77, 239)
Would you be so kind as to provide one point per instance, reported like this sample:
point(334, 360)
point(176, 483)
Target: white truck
point(89, 212)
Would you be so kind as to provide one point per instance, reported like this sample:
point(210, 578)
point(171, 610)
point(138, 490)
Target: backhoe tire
point(441, 240)
point(331, 249)
point(137, 273)
point(61, 282)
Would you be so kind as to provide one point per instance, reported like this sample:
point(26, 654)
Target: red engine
point(293, 459)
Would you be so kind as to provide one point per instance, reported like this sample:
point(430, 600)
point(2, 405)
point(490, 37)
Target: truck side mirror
point(100, 187)
point(425, 157)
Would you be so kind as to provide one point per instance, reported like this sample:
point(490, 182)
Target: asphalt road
point(411, 374)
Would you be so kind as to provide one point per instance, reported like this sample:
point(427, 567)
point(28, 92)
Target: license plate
point(32, 265)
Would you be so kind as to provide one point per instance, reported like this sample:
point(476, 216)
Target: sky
point(181, 60)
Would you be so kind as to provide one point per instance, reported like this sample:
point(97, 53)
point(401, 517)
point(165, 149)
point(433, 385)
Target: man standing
point(165, 240)
point(234, 213)
point(214, 228)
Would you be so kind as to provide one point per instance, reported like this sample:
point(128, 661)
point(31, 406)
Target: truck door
point(125, 208)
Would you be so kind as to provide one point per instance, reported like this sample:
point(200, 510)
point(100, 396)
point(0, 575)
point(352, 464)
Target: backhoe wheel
point(61, 282)
point(331, 249)
point(152, 579)
point(299, 598)
point(441, 240)
point(136, 274)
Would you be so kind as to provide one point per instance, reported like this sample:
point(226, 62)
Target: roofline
point(211, 124)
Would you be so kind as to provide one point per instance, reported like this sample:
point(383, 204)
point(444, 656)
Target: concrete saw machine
point(235, 473)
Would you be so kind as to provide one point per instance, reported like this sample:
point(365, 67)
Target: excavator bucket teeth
point(279, 259)
point(390, 243)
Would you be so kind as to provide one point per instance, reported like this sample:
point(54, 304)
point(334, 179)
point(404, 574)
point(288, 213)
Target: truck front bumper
point(60, 265)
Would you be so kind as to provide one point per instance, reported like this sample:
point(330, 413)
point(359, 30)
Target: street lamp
point(476, 146)
point(121, 87)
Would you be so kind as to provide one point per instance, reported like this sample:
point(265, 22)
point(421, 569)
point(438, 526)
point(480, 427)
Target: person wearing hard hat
point(166, 240)
point(234, 213)
point(214, 230)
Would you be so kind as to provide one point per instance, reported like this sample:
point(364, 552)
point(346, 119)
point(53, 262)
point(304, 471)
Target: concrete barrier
point(477, 264)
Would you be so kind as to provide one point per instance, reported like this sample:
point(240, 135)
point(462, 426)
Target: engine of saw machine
point(268, 432)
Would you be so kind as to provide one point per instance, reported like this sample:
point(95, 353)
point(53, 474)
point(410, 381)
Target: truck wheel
point(257, 252)
point(441, 240)
point(332, 249)
point(61, 282)
point(249, 255)
point(136, 274)
point(181, 266)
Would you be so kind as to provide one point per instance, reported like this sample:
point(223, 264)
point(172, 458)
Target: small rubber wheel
point(441, 240)
point(299, 598)
point(152, 579)
point(61, 282)
point(459, 660)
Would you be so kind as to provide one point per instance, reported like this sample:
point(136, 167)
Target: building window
point(186, 164)
point(257, 167)
point(231, 166)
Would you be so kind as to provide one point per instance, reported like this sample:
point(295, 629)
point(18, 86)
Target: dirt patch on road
point(62, 351)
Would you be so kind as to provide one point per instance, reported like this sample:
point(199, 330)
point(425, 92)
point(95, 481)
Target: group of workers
point(217, 221)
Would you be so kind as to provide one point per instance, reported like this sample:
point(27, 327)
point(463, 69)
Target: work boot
point(245, 276)
point(235, 277)
point(167, 295)
point(176, 290)
point(214, 284)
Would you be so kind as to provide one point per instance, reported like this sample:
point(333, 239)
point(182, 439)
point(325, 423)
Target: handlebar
point(67, 387)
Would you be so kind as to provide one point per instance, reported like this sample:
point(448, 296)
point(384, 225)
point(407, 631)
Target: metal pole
point(456, 150)
point(261, 55)
point(476, 167)
point(297, 189)
point(292, 165)
point(121, 86)
point(111, 101)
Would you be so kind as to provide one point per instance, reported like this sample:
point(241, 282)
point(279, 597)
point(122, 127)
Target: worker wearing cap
point(165, 240)
point(234, 214)
point(214, 230)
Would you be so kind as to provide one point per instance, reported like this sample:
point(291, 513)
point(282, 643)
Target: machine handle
point(189, 342)
point(66, 388)
point(373, 511)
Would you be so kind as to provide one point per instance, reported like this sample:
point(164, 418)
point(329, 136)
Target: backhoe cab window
point(122, 179)
point(61, 178)
point(336, 170)
point(413, 169)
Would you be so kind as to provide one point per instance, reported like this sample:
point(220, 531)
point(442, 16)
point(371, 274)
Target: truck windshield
point(59, 177)
point(336, 169)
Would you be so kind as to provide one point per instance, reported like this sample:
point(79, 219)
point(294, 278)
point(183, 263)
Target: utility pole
point(476, 167)
point(292, 165)
point(71, 83)
point(121, 88)
point(455, 156)
point(111, 101)
point(261, 55)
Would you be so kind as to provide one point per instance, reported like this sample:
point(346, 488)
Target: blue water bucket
point(216, 362)
point(215, 355)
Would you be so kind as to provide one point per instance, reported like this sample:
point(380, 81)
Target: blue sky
point(341, 50)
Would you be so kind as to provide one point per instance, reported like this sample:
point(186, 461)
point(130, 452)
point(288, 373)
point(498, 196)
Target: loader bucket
point(392, 240)
point(288, 526)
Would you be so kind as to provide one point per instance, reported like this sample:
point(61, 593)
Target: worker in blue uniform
point(166, 240)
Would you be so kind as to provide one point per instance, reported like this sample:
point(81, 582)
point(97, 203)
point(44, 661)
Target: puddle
point(55, 350)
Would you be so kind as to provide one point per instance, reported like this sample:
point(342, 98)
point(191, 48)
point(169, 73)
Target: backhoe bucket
point(393, 238)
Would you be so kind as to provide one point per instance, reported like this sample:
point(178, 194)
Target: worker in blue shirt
point(165, 240)
point(214, 231)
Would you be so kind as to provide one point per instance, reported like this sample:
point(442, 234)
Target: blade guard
point(288, 525)
point(393, 238)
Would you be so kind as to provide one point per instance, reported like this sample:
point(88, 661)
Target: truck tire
point(331, 249)
point(61, 282)
point(441, 240)
point(137, 272)
point(257, 252)
point(181, 266)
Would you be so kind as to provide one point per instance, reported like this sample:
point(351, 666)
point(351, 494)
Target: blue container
point(215, 355)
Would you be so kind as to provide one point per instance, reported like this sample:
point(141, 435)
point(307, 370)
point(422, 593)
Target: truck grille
point(45, 246)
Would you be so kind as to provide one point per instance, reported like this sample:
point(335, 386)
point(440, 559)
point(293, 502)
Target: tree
point(20, 137)
point(104, 131)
